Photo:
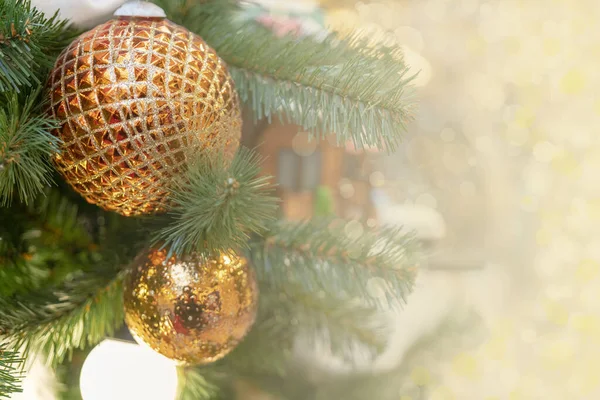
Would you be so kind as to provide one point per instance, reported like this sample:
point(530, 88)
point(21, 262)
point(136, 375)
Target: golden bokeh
point(507, 133)
point(136, 99)
point(191, 309)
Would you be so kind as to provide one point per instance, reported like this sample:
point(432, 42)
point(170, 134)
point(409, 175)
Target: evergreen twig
point(324, 255)
point(346, 86)
point(289, 313)
point(29, 41)
point(347, 329)
point(78, 314)
point(41, 243)
point(268, 347)
point(219, 204)
point(10, 372)
point(201, 384)
point(81, 301)
point(343, 326)
point(25, 146)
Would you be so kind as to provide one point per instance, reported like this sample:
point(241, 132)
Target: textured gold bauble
point(191, 309)
point(136, 97)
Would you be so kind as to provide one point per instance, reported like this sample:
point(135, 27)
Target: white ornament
point(119, 370)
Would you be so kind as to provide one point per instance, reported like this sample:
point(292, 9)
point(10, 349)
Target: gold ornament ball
point(136, 98)
point(191, 309)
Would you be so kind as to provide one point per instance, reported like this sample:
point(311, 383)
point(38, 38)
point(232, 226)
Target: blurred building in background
point(307, 170)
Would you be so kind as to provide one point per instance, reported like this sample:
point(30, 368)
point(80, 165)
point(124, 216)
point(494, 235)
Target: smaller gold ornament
point(191, 309)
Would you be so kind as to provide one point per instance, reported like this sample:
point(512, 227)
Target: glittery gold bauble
point(136, 97)
point(191, 309)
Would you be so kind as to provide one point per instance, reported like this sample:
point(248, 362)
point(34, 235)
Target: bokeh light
point(504, 147)
point(122, 370)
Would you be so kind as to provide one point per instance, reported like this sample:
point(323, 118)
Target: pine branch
point(318, 110)
point(18, 270)
point(25, 146)
point(266, 356)
point(78, 314)
point(288, 314)
point(10, 374)
point(20, 274)
point(83, 252)
point(42, 243)
point(346, 86)
point(28, 43)
point(60, 221)
point(268, 347)
point(342, 326)
point(219, 205)
point(205, 383)
point(325, 255)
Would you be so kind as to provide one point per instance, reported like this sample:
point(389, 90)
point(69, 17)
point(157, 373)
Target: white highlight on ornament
point(118, 370)
point(140, 9)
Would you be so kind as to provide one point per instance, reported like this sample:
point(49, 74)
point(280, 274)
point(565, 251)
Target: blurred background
point(504, 146)
point(498, 175)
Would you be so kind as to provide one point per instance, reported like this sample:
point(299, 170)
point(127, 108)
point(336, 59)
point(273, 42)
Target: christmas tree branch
point(87, 304)
point(323, 320)
point(10, 375)
point(80, 313)
point(25, 145)
point(203, 384)
point(18, 271)
point(350, 87)
point(28, 43)
point(43, 242)
point(338, 257)
point(288, 315)
point(342, 325)
point(77, 250)
point(218, 204)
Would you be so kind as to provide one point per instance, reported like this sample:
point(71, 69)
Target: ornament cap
point(140, 9)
